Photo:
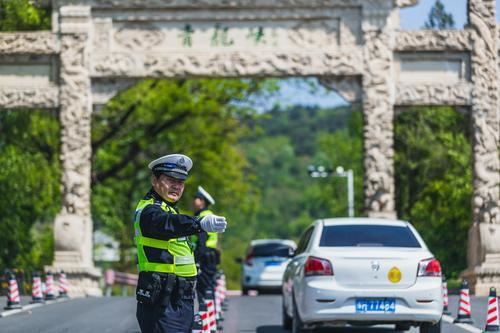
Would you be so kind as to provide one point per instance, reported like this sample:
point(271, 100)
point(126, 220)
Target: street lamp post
point(323, 172)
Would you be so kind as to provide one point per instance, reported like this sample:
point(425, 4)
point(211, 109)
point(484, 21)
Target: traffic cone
point(63, 285)
point(36, 289)
point(49, 287)
point(197, 326)
point(13, 300)
point(210, 302)
point(464, 308)
point(492, 322)
point(203, 311)
point(445, 297)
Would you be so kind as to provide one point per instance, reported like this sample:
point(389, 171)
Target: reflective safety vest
point(212, 236)
point(179, 248)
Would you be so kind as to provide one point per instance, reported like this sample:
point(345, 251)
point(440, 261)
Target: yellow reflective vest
point(179, 248)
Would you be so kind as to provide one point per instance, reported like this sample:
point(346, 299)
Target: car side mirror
point(238, 260)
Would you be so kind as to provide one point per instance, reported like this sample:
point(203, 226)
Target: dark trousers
point(176, 317)
point(206, 279)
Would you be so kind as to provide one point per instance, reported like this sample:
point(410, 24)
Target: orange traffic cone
point(464, 308)
point(49, 286)
point(63, 285)
point(13, 300)
point(445, 297)
point(492, 323)
point(36, 289)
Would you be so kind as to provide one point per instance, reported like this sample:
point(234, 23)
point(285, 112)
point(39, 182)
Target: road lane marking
point(31, 306)
point(466, 327)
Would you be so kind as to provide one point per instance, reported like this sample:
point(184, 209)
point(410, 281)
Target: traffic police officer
point(206, 252)
point(167, 270)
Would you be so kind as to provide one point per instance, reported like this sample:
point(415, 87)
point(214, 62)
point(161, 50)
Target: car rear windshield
point(271, 250)
point(368, 235)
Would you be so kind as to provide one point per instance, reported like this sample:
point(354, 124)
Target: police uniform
point(206, 252)
point(167, 269)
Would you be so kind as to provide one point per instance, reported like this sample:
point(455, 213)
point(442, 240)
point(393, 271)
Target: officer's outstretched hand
point(213, 223)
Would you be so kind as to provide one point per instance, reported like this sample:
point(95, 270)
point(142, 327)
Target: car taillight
point(248, 259)
point(429, 267)
point(317, 266)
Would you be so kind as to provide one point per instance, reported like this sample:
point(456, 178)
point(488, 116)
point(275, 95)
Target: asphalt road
point(261, 314)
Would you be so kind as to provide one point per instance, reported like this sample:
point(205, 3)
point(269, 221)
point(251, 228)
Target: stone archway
point(99, 47)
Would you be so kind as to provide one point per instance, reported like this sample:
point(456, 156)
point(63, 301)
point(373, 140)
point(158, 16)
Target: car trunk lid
point(374, 267)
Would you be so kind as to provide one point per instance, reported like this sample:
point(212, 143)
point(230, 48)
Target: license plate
point(273, 263)
point(386, 305)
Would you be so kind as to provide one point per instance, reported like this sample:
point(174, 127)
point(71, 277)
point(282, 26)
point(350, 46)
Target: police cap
point(205, 195)
point(173, 165)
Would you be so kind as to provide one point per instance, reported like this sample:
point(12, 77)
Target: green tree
point(438, 18)
point(201, 118)
point(23, 15)
point(29, 155)
point(29, 179)
point(434, 179)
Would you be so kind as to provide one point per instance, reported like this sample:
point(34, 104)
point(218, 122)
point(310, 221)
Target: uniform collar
point(153, 194)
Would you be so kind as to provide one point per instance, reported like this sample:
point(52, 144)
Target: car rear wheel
point(244, 291)
point(285, 318)
point(296, 322)
point(430, 328)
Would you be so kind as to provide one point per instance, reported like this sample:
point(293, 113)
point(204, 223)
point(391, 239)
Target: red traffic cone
point(63, 285)
point(464, 308)
point(36, 289)
point(13, 300)
point(49, 286)
point(210, 302)
point(492, 322)
point(203, 311)
point(445, 297)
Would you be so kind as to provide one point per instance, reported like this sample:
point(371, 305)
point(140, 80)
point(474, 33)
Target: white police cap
point(173, 165)
point(205, 195)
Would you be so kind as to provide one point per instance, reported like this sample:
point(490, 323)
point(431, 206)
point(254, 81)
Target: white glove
point(213, 223)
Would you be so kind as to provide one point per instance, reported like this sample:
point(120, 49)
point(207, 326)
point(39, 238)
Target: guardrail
point(112, 277)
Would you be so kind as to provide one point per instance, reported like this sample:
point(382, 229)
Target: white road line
point(31, 306)
point(466, 327)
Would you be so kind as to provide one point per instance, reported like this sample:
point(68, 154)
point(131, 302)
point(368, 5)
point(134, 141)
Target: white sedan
point(362, 271)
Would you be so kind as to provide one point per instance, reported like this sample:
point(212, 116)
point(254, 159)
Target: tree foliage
point(29, 179)
point(201, 118)
point(438, 18)
point(23, 15)
point(29, 156)
point(434, 179)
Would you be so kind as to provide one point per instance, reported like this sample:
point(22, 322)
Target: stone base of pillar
point(485, 276)
point(391, 215)
point(82, 281)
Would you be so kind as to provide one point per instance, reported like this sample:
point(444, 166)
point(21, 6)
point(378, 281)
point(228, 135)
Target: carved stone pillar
point(484, 235)
point(73, 225)
point(378, 110)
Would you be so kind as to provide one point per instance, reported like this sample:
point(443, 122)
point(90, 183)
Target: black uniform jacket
point(159, 224)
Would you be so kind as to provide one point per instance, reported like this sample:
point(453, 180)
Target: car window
point(368, 235)
point(304, 240)
point(271, 250)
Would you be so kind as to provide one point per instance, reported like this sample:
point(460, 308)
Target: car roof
point(288, 242)
point(363, 220)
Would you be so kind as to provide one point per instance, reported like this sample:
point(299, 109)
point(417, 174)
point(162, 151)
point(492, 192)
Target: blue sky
point(411, 18)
